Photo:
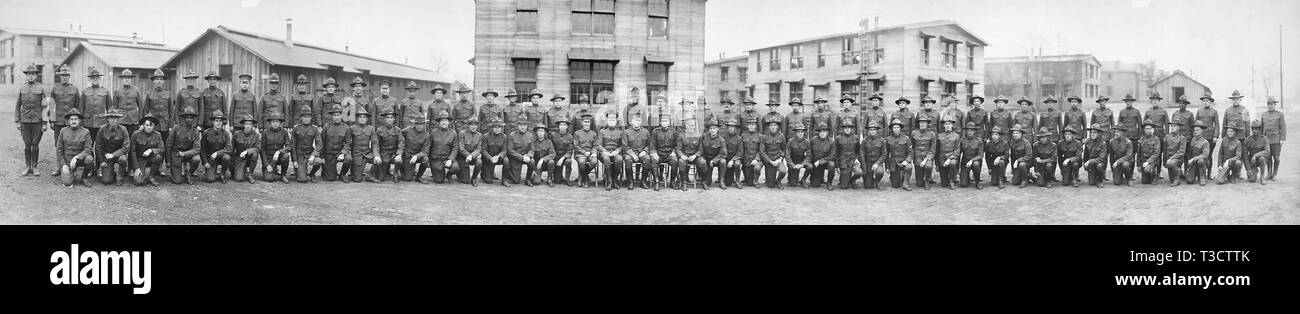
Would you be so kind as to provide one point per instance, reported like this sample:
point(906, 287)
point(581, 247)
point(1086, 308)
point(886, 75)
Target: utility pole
point(1281, 75)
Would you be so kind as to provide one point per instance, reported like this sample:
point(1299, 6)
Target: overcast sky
point(1216, 41)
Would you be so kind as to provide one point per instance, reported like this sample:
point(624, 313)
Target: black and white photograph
point(334, 114)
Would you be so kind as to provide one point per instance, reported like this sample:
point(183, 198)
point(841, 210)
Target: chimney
point(135, 39)
point(79, 30)
point(876, 22)
point(71, 30)
point(288, 32)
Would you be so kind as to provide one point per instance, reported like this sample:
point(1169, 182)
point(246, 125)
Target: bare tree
point(1269, 76)
point(438, 62)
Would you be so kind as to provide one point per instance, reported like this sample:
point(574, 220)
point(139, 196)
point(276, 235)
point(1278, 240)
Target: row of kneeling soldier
point(741, 148)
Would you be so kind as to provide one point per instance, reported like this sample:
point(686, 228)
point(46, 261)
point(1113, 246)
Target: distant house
point(1037, 77)
point(727, 78)
point(1178, 84)
point(111, 58)
point(1119, 78)
point(21, 47)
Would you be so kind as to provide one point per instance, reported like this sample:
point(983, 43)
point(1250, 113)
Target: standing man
point(248, 144)
point(463, 109)
point(873, 112)
point(1095, 151)
point(796, 116)
point(557, 113)
point(66, 97)
point(28, 111)
point(1275, 129)
point(1075, 117)
point(513, 109)
point(927, 111)
point(579, 109)
point(900, 155)
point(489, 108)
point(337, 136)
point(749, 110)
point(1158, 114)
point(323, 102)
point(146, 151)
point(302, 99)
point(112, 143)
point(1182, 115)
point(952, 108)
point(188, 97)
point(1000, 117)
point(774, 116)
point(1050, 120)
point(358, 99)
point(386, 101)
point(213, 99)
point(1131, 119)
point(1026, 118)
point(1210, 116)
point(1120, 149)
point(183, 147)
point(127, 100)
point(411, 106)
point(534, 110)
point(997, 154)
point(972, 155)
point(216, 149)
point(243, 101)
point(158, 102)
point(980, 116)
point(95, 101)
point(729, 111)
point(271, 101)
point(903, 115)
point(1230, 156)
point(1045, 155)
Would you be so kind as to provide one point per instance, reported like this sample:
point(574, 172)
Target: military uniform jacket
point(900, 149)
point(1120, 149)
point(537, 114)
point(1198, 147)
point(1255, 146)
point(797, 148)
point(907, 117)
point(436, 144)
point(112, 140)
point(244, 102)
point(410, 106)
point(577, 113)
point(245, 142)
point(956, 114)
point(666, 140)
point(1161, 118)
point(520, 143)
point(823, 149)
point(1027, 120)
point(972, 148)
point(1188, 119)
point(143, 141)
point(745, 115)
point(386, 102)
point(298, 100)
point(793, 118)
point(96, 101)
point(1045, 150)
point(1000, 118)
point(469, 143)
point(1021, 150)
point(29, 107)
point(188, 97)
point(323, 104)
point(771, 146)
point(934, 116)
point(923, 145)
point(1131, 119)
point(1104, 116)
point(184, 140)
point(388, 141)
point(751, 145)
point(555, 115)
point(997, 148)
point(611, 140)
point(273, 140)
point(512, 114)
point(66, 96)
point(1229, 149)
point(158, 102)
point(360, 141)
point(271, 103)
point(981, 119)
point(1238, 114)
point(1148, 149)
point(1095, 150)
point(875, 113)
point(1076, 118)
point(818, 117)
point(1067, 149)
point(1274, 126)
point(541, 148)
point(949, 144)
point(306, 141)
point(75, 143)
point(1175, 147)
point(735, 149)
point(336, 137)
point(128, 100)
point(847, 148)
point(1210, 117)
point(495, 144)
point(636, 141)
point(874, 150)
point(773, 116)
point(713, 146)
point(585, 142)
point(563, 144)
point(1051, 119)
point(489, 111)
point(352, 104)
point(213, 99)
point(461, 112)
point(214, 140)
point(440, 143)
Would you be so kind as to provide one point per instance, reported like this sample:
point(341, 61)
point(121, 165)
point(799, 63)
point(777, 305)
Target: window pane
point(602, 72)
point(526, 21)
point(744, 74)
point(581, 23)
point(606, 6)
point(657, 73)
point(526, 5)
point(653, 91)
point(658, 7)
point(525, 87)
point(580, 71)
point(725, 74)
point(658, 26)
point(581, 5)
point(578, 90)
point(525, 69)
point(604, 92)
point(603, 24)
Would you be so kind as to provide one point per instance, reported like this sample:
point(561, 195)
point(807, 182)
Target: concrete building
point(1119, 78)
point(1037, 77)
point(911, 59)
point(595, 48)
point(728, 77)
point(21, 47)
point(1178, 84)
point(142, 60)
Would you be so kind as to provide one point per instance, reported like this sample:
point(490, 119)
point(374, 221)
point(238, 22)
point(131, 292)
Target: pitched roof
point(124, 55)
point(925, 24)
point(1171, 75)
point(66, 34)
point(304, 55)
point(1073, 57)
point(1120, 66)
point(725, 60)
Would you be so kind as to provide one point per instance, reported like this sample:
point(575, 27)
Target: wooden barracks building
point(595, 48)
point(21, 47)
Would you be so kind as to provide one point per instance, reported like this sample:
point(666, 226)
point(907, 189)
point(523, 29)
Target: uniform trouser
point(649, 163)
point(1046, 171)
point(112, 170)
point(562, 167)
point(489, 168)
point(1231, 169)
point(222, 160)
point(948, 172)
point(87, 167)
point(32, 133)
point(306, 170)
point(175, 161)
point(612, 164)
point(1258, 166)
point(332, 165)
point(1175, 167)
point(873, 176)
point(415, 170)
point(541, 163)
point(244, 167)
point(1274, 150)
point(381, 171)
point(970, 173)
point(797, 170)
point(1122, 171)
point(148, 166)
point(667, 159)
point(823, 171)
point(1148, 173)
point(704, 169)
point(272, 168)
point(1096, 171)
point(997, 169)
point(774, 174)
point(1020, 170)
point(899, 174)
point(750, 168)
point(515, 170)
point(923, 170)
point(733, 172)
point(585, 165)
point(1196, 169)
point(357, 165)
point(468, 170)
point(850, 172)
point(1070, 170)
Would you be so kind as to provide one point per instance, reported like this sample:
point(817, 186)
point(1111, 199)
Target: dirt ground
point(42, 200)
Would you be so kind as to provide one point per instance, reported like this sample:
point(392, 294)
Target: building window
point(950, 54)
point(970, 58)
point(758, 57)
point(849, 54)
point(742, 94)
point(226, 71)
point(592, 78)
point(821, 54)
point(725, 74)
point(950, 88)
point(656, 78)
point(925, 50)
point(526, 16)
point(658, 18)
point(723, 94)
point(877, 85)
point(924, 88)
point(65, 43)
point(850, 88)
point(744, 75)
point(774, 59)
point(593, 17)
point(774, 92)
point(822, 91)
point(880, 55)
point(1048, 89)
point(796, 90)
point(40, 41)
point(525, 75)
point(796, 57)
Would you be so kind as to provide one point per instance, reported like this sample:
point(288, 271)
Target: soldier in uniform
point(1095, 152)
point(305, 145)
point(520, 141)
point(385, 101)
point(469, 149)
point(927, 111)
point(513, 109)
point(1045, 158)
point(303, 99)
point(127, 100)
point(158, 102)
point(1148, 152)
point(1070, 152)
point(276, 145)
point(188, 97)
point(323, 102)
point(563, 142)
point(411, 106)
point(875, 153)
point(146, 149)
point(997, 154)
point(822, 114)
point(1157, 114)
point(822, 147)
point(873, 112)
point(609, 149)
point(216, 149)
point(980, 116)
point(1021, 157)
point(1051, 120)
point(1026, 118)
point(437, 148)
point(557, 113)
point(213, 99)
point(579, 109)
point(772, 153)
point(952, 108)
point(1275, 129)
point(1074, 117)
point(637, 148)
point(773, 115)
point(243, 101)
point(666, 141)
point(183, 147)
point(1175, 152)
point(494, 149)
point(533, 108)
point(358, 99)
point(694, 152)
point(728, 111)
point(488, 109)
point(359, 150)
point(796, 116)
point(751, 145)
point(749, 111)
point(923, 148)
point(463, 109)
point(1229, 160)
point(337, 137)
point(906, 116)
point(1210, 117)
point(271, 101)
point(541, 156)
point(66, 97)
point(900, 155)
point(1198, 149)
point(798, 150)
point(248, 143)
point(734, 151)
point(112, 143)
point(585, 146)
point(1256, 151)
point(388, 148)
point(95, 101)
point(74, 149)
point(1182, 115)
point(1131, 119)
point(948, 143)
point(848, 149)
point(972, 155)
point(1121, 153)
point(1000, 116)
point(28, 111)
point(426, 149)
